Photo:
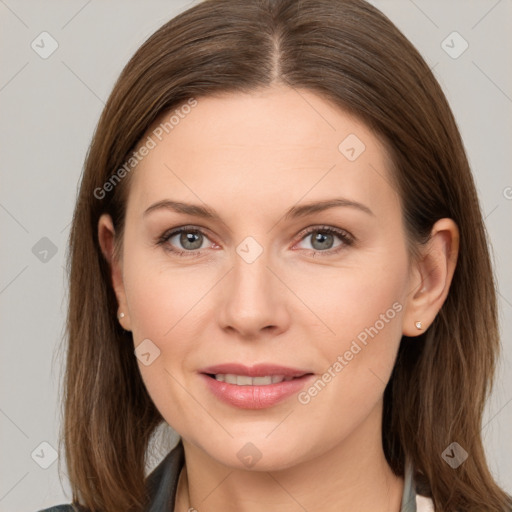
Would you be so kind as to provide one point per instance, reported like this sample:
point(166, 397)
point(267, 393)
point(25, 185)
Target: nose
point(254, 300)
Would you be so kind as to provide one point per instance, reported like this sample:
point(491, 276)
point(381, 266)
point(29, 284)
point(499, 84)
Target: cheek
point(162, 297)
point(362, 307)
point(165, 307)
point(350, 301)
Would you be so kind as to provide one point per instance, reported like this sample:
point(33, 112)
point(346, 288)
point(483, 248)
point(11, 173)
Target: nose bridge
point(251, 277)
point(252, 300)
point(250, 271)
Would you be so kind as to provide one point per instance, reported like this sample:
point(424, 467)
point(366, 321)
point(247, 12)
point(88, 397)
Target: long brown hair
point(348, 52)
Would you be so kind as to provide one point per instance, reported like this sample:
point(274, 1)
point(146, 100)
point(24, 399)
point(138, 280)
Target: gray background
point(49, 108)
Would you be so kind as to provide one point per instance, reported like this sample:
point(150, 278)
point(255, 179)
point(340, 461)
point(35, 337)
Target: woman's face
point(302, 264)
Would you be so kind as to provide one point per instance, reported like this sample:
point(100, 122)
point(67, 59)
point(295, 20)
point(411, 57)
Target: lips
point(254, 387)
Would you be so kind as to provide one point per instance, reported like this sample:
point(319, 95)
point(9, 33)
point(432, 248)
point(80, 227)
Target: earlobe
point(432, 277)
point(106, 237)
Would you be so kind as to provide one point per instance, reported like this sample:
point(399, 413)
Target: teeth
point(244, 380)
point(265, 381)
point(230, 378)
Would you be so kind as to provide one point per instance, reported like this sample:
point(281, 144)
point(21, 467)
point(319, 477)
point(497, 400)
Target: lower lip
point(255, 397)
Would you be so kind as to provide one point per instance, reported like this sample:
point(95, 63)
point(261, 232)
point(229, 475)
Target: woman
point(278, 250)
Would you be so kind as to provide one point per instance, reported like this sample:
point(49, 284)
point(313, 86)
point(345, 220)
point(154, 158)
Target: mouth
point(246, 380)
point(254, 387)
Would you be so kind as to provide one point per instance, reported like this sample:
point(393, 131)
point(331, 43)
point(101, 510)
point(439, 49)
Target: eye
point(323, 239)
point(188, 241)
point(184, 241)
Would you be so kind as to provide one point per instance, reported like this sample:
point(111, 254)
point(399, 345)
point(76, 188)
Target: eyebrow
point(294, 212)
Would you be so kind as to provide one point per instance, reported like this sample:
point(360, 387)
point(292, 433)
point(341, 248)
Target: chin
point(257, 453)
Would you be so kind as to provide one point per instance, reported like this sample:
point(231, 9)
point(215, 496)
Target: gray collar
point(409, 494)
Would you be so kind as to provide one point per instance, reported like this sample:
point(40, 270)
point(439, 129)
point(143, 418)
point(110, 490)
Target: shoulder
point(66, 507)
point(60, 508)
point(162, 483)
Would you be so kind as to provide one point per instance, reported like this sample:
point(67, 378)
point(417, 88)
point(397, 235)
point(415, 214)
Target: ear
point(106, 237)
point(431, 277)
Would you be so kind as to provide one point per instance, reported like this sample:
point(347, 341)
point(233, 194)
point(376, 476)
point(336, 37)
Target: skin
point(251, 157)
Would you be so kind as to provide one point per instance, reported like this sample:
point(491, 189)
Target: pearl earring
point(419, 325)
point(121, 315)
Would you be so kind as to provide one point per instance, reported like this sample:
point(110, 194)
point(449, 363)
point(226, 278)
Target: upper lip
point(257, 370)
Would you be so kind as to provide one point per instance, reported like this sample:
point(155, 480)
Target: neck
point(351, 476)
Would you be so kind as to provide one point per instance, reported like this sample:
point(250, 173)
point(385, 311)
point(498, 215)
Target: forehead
point(271, 145)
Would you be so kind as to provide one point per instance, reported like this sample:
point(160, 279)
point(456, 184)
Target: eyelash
point(343, 235)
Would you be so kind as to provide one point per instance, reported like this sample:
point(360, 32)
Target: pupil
point(190, 238)
point(323, 238)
